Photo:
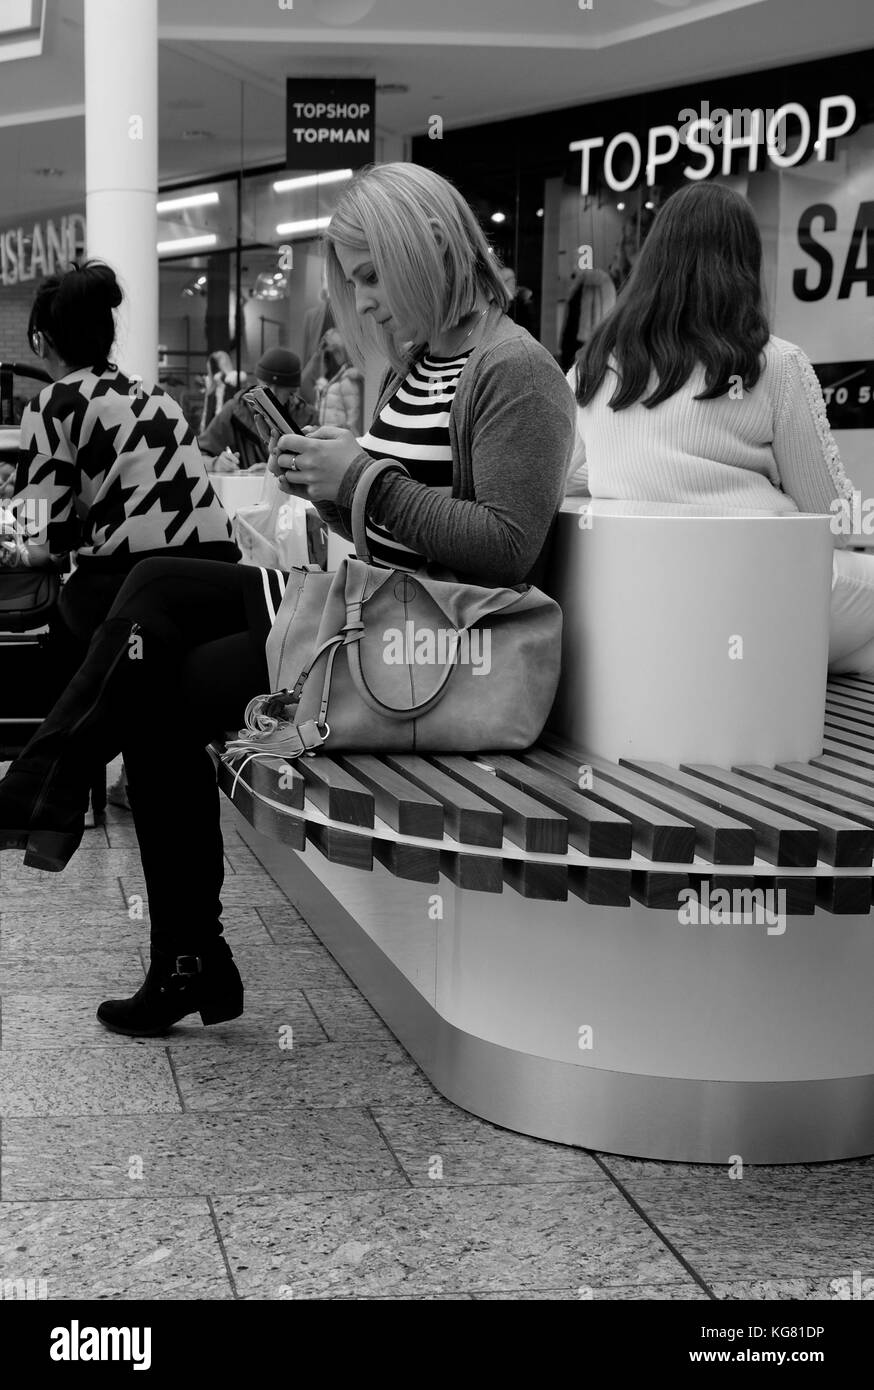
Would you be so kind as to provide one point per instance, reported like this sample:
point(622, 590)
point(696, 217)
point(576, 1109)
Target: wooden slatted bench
point(639, 830)
point(523, 922)
point(634, 836)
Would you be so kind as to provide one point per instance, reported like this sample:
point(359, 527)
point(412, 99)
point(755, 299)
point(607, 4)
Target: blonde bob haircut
point(388, 213)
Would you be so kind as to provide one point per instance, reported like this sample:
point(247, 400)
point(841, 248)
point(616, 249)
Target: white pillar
point(121, 165)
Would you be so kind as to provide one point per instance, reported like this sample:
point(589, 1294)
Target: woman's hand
point(315, 461)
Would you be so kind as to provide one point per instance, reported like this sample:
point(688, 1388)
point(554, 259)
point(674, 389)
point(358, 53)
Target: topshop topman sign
point(330, 121)
point(29, 253)
point(697, 138)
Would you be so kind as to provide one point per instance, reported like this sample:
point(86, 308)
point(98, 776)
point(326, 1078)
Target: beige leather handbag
point(374, 659)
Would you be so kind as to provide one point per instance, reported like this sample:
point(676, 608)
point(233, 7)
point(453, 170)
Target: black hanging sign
point(330, 122)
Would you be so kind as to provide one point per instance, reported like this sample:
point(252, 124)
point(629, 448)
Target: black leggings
point(201, 664)
point(85, 601)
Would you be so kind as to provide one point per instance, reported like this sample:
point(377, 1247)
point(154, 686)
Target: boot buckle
point(188, 966)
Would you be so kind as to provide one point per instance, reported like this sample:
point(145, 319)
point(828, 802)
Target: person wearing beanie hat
point(233, 429)
point(279, 368)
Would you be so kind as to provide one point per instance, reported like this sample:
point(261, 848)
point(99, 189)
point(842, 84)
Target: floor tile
point(243, 927)
point(780, 1228)
point(795, 1290)
point(186, 1155)
point(289, 967)
point(326, 1074)
point(54, 932)
point(49, 893)
point(286, 926)
point(114, 1250)
point(288, 1293)
point(346, 1015)
point(121, 835)
point(68, 1019)
point(93, 860)
point(440, 1240)
point(241, 857)
point(85, 1081)
point(613, 1293)
point(442, 1144)
point(238, 890)
point(120, 969)
point(633, 1169)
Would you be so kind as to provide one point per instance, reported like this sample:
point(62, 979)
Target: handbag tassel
point(288, 740)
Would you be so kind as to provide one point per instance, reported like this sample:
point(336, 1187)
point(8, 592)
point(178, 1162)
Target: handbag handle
point(353, 654)
point(359, 502)
point(354, 631)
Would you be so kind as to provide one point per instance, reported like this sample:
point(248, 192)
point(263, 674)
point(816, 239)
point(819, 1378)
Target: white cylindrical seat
point(692, 639)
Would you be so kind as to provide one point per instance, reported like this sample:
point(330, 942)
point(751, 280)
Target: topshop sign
point(764, 132)
point(41, 249)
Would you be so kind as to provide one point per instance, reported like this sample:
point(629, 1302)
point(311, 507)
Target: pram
point(28, 599)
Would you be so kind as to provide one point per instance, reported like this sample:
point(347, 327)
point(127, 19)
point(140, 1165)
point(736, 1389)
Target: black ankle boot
point(44, 795)
point(208, 984)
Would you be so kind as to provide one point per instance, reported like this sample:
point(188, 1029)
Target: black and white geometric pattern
point(119, 473)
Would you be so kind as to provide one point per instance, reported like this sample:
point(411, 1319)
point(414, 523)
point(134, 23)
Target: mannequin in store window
point(317, 321)
point(220, 383)
point(340, 388)
point(591, 301)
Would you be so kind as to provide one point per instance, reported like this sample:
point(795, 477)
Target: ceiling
point(222, 69)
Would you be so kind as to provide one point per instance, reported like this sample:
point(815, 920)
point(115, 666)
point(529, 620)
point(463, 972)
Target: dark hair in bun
point(74, 310)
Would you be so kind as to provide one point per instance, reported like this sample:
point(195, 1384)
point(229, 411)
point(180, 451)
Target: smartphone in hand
point(265, 406)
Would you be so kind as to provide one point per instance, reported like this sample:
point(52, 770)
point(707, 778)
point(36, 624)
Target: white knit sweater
point(769, 452)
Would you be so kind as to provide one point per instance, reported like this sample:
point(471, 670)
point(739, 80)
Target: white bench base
point(705, 1048)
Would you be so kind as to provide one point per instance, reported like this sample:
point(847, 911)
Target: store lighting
point(194, 200)
point(649, 206)
point(620, 207)
point(269, 286)
point(312, 180)
point(311, 224)
point(187, 243)
point(540, 212)
point(194, 287)
point(499, 217)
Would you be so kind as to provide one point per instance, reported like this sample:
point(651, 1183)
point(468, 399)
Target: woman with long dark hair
point(481, 419)
point(688, 405)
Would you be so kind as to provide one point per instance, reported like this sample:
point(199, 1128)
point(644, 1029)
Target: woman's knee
point(151, 582)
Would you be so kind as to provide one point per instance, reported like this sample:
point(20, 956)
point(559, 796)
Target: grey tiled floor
point(219, 1163)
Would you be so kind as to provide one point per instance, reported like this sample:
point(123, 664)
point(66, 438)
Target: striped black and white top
point(413, 427)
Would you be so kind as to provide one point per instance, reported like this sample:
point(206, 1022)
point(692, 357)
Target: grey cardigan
point(511, 428)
